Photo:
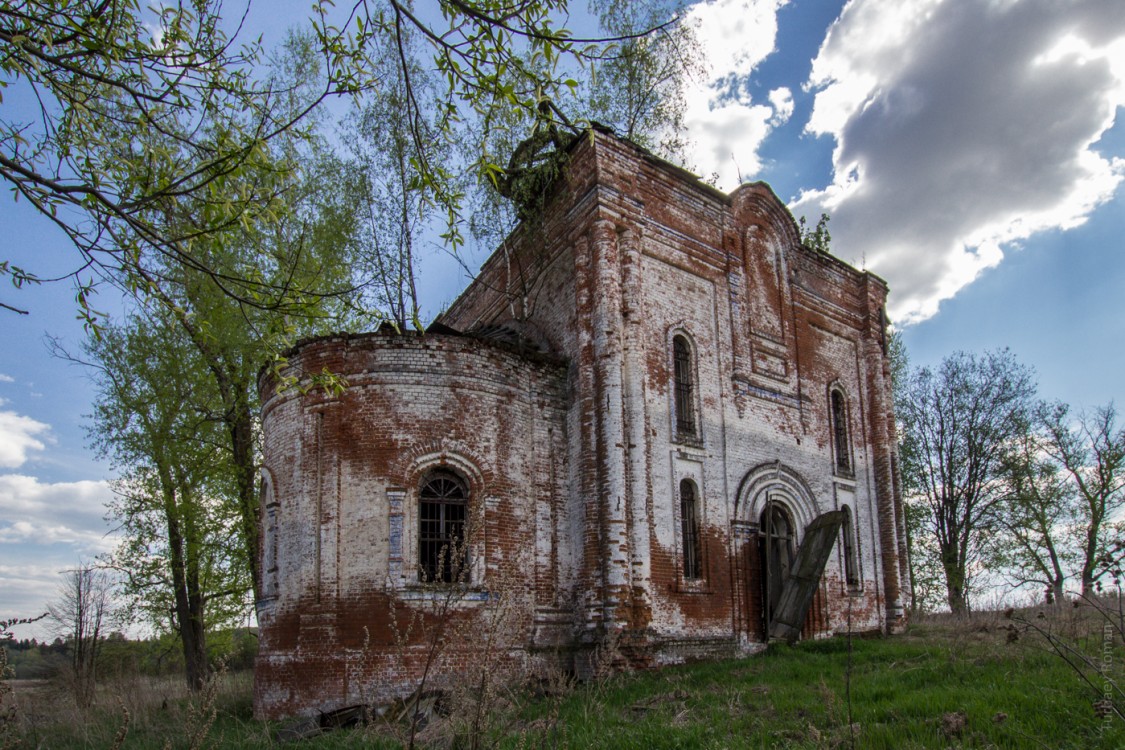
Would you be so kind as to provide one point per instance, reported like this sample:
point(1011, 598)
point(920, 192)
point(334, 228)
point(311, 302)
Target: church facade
point(606, 452)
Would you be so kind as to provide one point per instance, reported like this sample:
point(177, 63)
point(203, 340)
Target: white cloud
point(6, 378)
point(64, 512)
point(17, 438)
point(28, 587)
point(724, 125)
point(962, 127)
point(45, 529)
point(782, 101)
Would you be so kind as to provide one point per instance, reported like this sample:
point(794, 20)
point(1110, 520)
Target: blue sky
point(970, 152)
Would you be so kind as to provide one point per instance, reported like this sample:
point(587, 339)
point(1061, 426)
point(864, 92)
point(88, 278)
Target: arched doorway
point(777, 549)
point(773, 508)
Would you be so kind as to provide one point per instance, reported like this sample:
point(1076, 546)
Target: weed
point(906, 692)
point(1089, 645)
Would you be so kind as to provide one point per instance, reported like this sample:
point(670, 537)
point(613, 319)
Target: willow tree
point(177, 404)
point(181, 563)
point(638, 86)
point(102, 73)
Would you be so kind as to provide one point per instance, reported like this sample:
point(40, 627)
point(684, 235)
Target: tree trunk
point(955, 596)
point(954, 568)
point(1058, 590)
point(241, 426)
point(234, 392)
point(194, 637)
point(189, 612)
point(185, 583)
point(913, 575)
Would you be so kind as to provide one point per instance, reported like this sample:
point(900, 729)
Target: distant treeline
point(31, 659)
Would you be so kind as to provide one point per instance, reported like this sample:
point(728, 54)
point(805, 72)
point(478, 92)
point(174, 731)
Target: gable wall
point(773, 326)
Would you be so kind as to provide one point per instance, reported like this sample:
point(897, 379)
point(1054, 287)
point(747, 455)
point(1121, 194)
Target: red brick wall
point(633, 258)
point(351, 623)
point(574, 462)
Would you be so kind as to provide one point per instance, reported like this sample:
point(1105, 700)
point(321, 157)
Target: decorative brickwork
point(549, 401)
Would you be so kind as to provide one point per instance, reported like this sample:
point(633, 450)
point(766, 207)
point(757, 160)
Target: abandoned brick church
point(618, 443)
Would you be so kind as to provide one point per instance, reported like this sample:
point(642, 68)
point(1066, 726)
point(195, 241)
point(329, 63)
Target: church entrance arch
point(773, 506)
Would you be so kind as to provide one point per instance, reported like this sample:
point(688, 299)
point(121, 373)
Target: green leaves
point(817, 239)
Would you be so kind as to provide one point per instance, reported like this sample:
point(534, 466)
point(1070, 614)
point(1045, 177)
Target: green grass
point(941, 685)
point(906, 692)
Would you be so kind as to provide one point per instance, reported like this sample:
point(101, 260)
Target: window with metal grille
point(840, 433)
point(443, 503)
point(689, 530)
point(684, 387)
point(851, 564)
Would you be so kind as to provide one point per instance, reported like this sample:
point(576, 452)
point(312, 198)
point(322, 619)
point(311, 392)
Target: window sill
point(436, 592)
point(265, 602)
point(693, 586)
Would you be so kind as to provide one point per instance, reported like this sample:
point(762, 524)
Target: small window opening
point(840, 433)
point(270, 582)
point(684, 387)
point(689, 530)
point(851, 563)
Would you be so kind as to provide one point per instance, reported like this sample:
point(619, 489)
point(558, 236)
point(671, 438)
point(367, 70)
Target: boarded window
point(684, 387)
point(443, 502)
point(689, 530)
point(840, 433)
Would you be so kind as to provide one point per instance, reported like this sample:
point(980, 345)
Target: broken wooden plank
point(799, 590)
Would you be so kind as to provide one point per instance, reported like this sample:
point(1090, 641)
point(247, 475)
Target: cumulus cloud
point(6, 378)
point(27, 589)
point(48, 513)
point(960, 128)
point(46, 528)
point(725, 126)
point(18, 437)
point(781, 99)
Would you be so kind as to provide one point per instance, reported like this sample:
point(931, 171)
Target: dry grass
point(989, 680)
point(156, 710)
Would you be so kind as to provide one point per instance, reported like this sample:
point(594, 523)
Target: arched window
point(443, 502)
point(684, 387)
point(840, 442)
point(689, 530)
point(851, 562)
point(270, 509)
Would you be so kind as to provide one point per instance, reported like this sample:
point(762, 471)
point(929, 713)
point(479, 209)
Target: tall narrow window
point(270, 509)
point(840, 433)
point(851, 564)
point(684, 387)
point(443, 503)
point(689, 530)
